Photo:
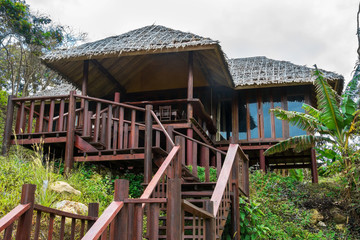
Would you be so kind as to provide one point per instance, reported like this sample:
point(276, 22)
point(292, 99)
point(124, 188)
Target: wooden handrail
point(104, 220)
point(201, 143)
point(162, 128)
point(39, 98)
point(13, 215)
point(62, 213)
point(110, 102)
point(156, 178)
point(196, 211)
point(199, 108)
point(224, 176)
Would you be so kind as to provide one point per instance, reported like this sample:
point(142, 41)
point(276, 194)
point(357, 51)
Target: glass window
point(295, 104)
point(266, 113)
point(253, 109)
point(278, 122)
point(242, 118)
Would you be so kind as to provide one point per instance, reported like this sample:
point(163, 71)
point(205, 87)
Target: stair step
point(98, 145)
point(196, 194)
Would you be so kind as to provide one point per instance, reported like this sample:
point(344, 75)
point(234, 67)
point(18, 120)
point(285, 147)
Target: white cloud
point(301, 31)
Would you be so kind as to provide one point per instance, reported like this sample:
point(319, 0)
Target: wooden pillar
point(235, 118)
point(148, 145)
point(25, 221)
point(235, 203)
point(189, 147)
point(173, 217)
point(92, 212)
point(262, 160)
point(169, 130)
point(121, 220)
point(210, 226)
point(117, 97)
point(190, 90)
point(314, 171)
point(70, 136)
point(8, 126)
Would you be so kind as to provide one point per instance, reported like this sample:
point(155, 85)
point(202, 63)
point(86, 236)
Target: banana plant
point(335, 120)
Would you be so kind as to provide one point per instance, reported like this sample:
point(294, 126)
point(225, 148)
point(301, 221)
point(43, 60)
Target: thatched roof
point(149, 38)
point(262, 71)
point(62, 89)
point(151, 58)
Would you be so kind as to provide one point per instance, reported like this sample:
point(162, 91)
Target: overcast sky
point(304, 32)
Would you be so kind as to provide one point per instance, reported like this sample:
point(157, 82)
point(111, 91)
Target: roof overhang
point(146, 70)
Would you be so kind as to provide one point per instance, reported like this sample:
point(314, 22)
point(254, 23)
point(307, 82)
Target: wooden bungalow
point(156, 100)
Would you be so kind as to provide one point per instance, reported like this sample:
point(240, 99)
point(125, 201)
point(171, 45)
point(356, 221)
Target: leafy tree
point(24, 37)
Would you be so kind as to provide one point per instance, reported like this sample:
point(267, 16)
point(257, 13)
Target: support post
point(169, 130)
point(148, 145)
point(189, 147)
point(190, 90)
point(262, 161)
point(120, 224)
point(8, 126)
point(93, 212)
point(173, 216)
point(314, 171)
point(210, 227)
point(25, 221)
point(235, 203)
point(70, 136)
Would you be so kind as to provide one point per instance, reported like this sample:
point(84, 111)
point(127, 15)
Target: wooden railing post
point(120, 224)
point(93, 211)
point(235, 204)
point(8, 126)
point(70, 136)
point(170, 131)
point(210, 227)
point(148, 145)
point(173, 211)
point(25, 221)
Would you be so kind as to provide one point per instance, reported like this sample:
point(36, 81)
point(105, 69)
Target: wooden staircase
point(177, 203)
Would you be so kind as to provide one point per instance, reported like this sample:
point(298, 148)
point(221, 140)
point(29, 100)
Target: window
point(266, 106)
point(253, 111)
point(225, 119)
point(295, 104)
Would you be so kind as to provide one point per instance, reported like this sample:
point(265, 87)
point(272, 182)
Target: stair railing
point(209, 156)
point(226, 193)
point(25, 227)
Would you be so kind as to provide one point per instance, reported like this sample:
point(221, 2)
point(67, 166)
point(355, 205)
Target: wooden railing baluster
point(31, 116)
point(132, 129)
point(37, 225)
point(51, 226)
point(97, 123)
point(60, 123)
point(62, 228)
point(103, 128)
point(41, 116)
point(73, 225)
point(126, 135)
point(85, 121)
point(108, 128)
point(121, 128)
point(51, 115)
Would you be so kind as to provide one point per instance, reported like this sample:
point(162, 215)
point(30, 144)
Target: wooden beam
point(136, 156)
point(108, 75)
point(190, 87)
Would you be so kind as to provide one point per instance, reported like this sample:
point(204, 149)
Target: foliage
point(251, 221)
point(283, 206)
point(334, 122)
point(29, 167)
point(24, 37)
point(201, 173)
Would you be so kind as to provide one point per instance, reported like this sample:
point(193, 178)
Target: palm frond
point(311, 110)
point(349, 104)
point(328, 104)
point(301, 120)
point(297, 143)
